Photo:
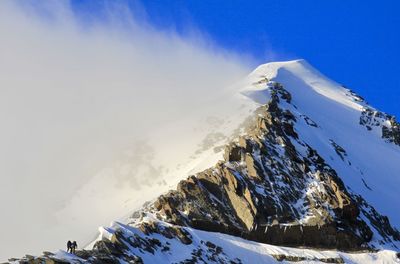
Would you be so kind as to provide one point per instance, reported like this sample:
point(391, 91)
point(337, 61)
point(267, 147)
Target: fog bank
point(83, 103)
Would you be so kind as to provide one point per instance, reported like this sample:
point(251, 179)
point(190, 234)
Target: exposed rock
point(392, 132)
point(245, 144)
point(339, 150)
point(355, 96)
point(271, 187)
point(233, 153)
point(309, 121)
point(291, 258)
point(260, 184)
point(252, 167)
point(388, 124)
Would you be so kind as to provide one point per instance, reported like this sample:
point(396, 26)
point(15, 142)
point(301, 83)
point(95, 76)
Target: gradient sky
point(355, 43)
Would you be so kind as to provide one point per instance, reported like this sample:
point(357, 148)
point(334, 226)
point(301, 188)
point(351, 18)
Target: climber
point(69, 246)
point(73, 247)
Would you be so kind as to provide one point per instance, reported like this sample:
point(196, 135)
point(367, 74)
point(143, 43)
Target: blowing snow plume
point(98, 117)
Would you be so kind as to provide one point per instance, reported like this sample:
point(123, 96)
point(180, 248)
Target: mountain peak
point(278, 64)
point(270, 69)
point(315, 167)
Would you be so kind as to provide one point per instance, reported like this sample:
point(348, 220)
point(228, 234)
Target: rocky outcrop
point(303, 258)
point(388, 124)
point(392, 132)
point(271, 187)
point(266, 191)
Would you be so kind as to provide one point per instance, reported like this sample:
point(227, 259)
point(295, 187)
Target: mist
point(94, 113)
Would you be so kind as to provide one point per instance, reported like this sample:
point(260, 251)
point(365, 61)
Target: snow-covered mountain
point(303, 163)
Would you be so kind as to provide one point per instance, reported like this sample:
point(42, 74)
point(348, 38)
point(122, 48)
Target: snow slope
point(148, 168)
point(209, 247)
point(372, 173)
point(234, 248)
point(328, 116)
point(371, 167)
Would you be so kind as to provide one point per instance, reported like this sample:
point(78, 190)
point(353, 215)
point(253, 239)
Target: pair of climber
point(71, 247)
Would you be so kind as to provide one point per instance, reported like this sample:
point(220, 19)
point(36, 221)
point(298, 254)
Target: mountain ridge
point(289, 180)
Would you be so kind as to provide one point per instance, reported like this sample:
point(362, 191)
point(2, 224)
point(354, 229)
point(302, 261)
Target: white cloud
point(74, 96)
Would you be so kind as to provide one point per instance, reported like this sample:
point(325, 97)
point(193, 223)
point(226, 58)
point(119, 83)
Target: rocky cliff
point(273, 186)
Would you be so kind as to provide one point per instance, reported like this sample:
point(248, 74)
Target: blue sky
point(355, 44)
point(75, 88)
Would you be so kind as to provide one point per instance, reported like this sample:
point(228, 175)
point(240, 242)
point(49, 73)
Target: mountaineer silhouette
point(73, 247)
point(69, 246)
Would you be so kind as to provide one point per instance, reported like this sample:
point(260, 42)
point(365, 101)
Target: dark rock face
point(271, 187)
point(266, 191)
point(392, 133)
point(302, 258)
point(388, 124)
